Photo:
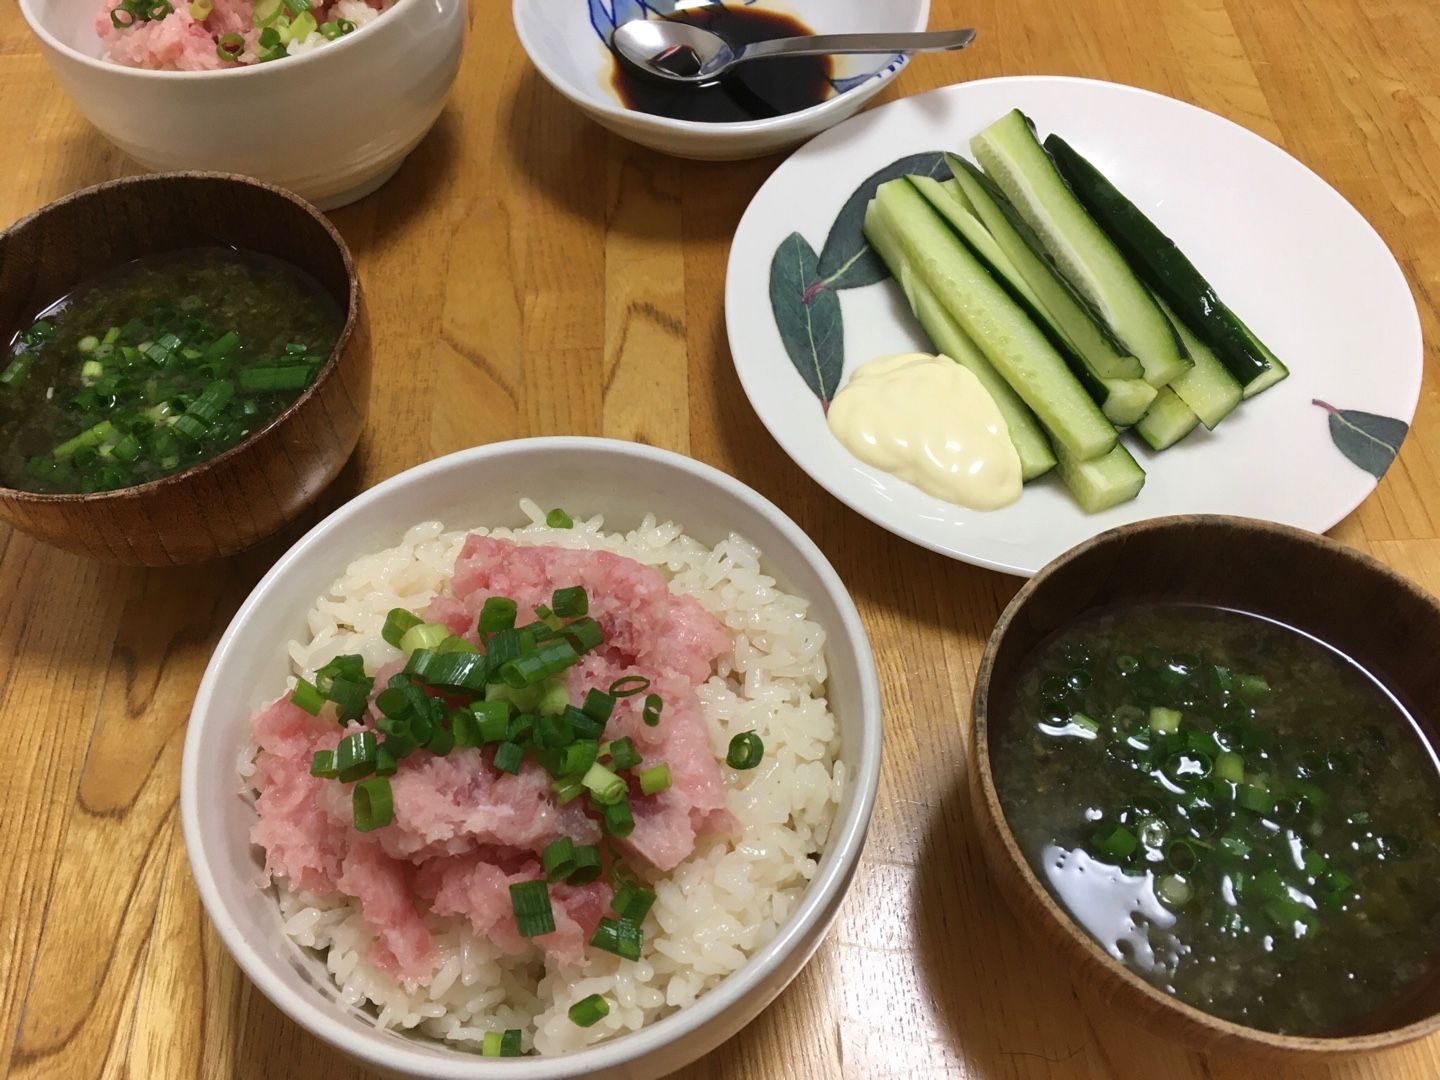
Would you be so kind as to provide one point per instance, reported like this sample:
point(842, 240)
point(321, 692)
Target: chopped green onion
point(1252, 686)
point(322, 764)
point(530, 901)
point(346, 26)
point(570, 603)
point(457, 671)
point(1115, 842)
point(1230, 766)
point(624, 939)
point(331, 31)
point(554, 699)
point(632, 902)
point(567, 789)
point(122, 17)
point(629, 686)
point(508, 757)
point(746, 750)
point(1183, 855)
point(492, 719)
point(498, 613)
point(583, 634)
point(308, 697)
point(385, 763)
point(524, 671)
point(583, 724)
point(558, 859)
point(374, 804)
point(423, 636)
point(619, 821)
point(355, 756)
point(263, 380)
point(396, 623)
point(266, 12)
point(1164, 721)
point(651, 713)
point(502, 1044)
point(442, 741)
point(655, 779)
point(604, 786)
point(586, 859)
point(86, 440)
point(1173, 890)
point(623, 754)
point(598, 705)
point(552, 732)
point(1254, 797)
point(15, 370)
point(587, 1012)
point(557, 656)
point(200, 10)
point(559, 519)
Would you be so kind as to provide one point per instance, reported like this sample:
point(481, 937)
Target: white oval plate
point(1295, 260)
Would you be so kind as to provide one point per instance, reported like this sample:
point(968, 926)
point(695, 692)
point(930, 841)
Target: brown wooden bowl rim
point(327, 370)
point(1335, 1045)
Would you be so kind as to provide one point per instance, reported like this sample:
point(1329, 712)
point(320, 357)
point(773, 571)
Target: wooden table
point(530, 274)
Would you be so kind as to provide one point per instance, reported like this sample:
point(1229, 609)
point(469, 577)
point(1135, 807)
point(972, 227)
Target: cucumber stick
point(1166, 269)
point(1168, 421)
point(985, 311)
point(1208, 388)
point(1091, 339)
point(1036, 457)
point(1105, 482)
point(1014, 159)
point(1123, 401)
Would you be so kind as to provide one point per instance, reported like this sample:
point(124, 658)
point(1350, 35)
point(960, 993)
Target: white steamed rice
point(716, 908)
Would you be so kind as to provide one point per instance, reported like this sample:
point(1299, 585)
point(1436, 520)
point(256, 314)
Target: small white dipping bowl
point(476, 487)
point(331, 125)
point(567, 40)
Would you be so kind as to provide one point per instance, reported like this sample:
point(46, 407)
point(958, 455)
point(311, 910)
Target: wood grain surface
point(530, 274)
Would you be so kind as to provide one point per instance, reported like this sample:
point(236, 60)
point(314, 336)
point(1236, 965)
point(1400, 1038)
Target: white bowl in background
point(587, 476)
point(331, 125)
point(567, 41)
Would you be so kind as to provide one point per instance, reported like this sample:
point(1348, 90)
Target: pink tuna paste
point(463, 831)
point(180, 42)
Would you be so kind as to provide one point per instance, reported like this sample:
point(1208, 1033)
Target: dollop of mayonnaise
point(929, 421)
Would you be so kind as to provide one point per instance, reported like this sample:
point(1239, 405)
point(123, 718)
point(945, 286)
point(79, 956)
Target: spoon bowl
point(684, 53)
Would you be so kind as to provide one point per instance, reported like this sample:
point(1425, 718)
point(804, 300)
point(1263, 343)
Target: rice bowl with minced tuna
point(538, 866)
point(213, 35)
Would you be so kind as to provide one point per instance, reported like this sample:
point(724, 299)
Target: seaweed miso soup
point(157, 366)
point(1232, 809)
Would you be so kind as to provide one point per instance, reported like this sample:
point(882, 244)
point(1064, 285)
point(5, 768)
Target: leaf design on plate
point(847, 261)
point(1368, 440)
point(809, 321)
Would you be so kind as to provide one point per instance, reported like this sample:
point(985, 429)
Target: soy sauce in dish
point(1235, 811)
point(757, 91)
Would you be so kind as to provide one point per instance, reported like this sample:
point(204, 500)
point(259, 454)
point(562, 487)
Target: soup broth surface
point(1232, 809)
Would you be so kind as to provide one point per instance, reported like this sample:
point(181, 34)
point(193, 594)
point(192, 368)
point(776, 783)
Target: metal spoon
point(683, 53)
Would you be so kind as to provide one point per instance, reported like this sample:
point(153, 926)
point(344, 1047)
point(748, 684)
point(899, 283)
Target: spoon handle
point(832, 44)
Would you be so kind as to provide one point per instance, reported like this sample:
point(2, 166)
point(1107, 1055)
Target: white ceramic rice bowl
point(566, 41)
point(331, 125)
point(476, 487)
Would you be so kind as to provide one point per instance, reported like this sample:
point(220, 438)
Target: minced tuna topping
point(462, 831)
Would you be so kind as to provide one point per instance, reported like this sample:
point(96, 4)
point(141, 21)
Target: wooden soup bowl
point(238, 497)
point(1381, 620)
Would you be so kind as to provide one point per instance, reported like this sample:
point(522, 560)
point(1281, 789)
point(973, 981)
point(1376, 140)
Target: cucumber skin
point(967, 175)
point(1003, 148)
point(1208, 388)
point(1036, 456)
point(1101, 436)
point(1122, 404)
point(1165, 268)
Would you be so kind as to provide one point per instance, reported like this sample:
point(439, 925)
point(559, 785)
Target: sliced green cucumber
point(1015, 345)
point(1014, 159)
point(1036, 457)
point(1168, 421)
point(1091, 338)
point(1166, 269)
point(1105, 482)
point(1123, 401)
point(1209, 390)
